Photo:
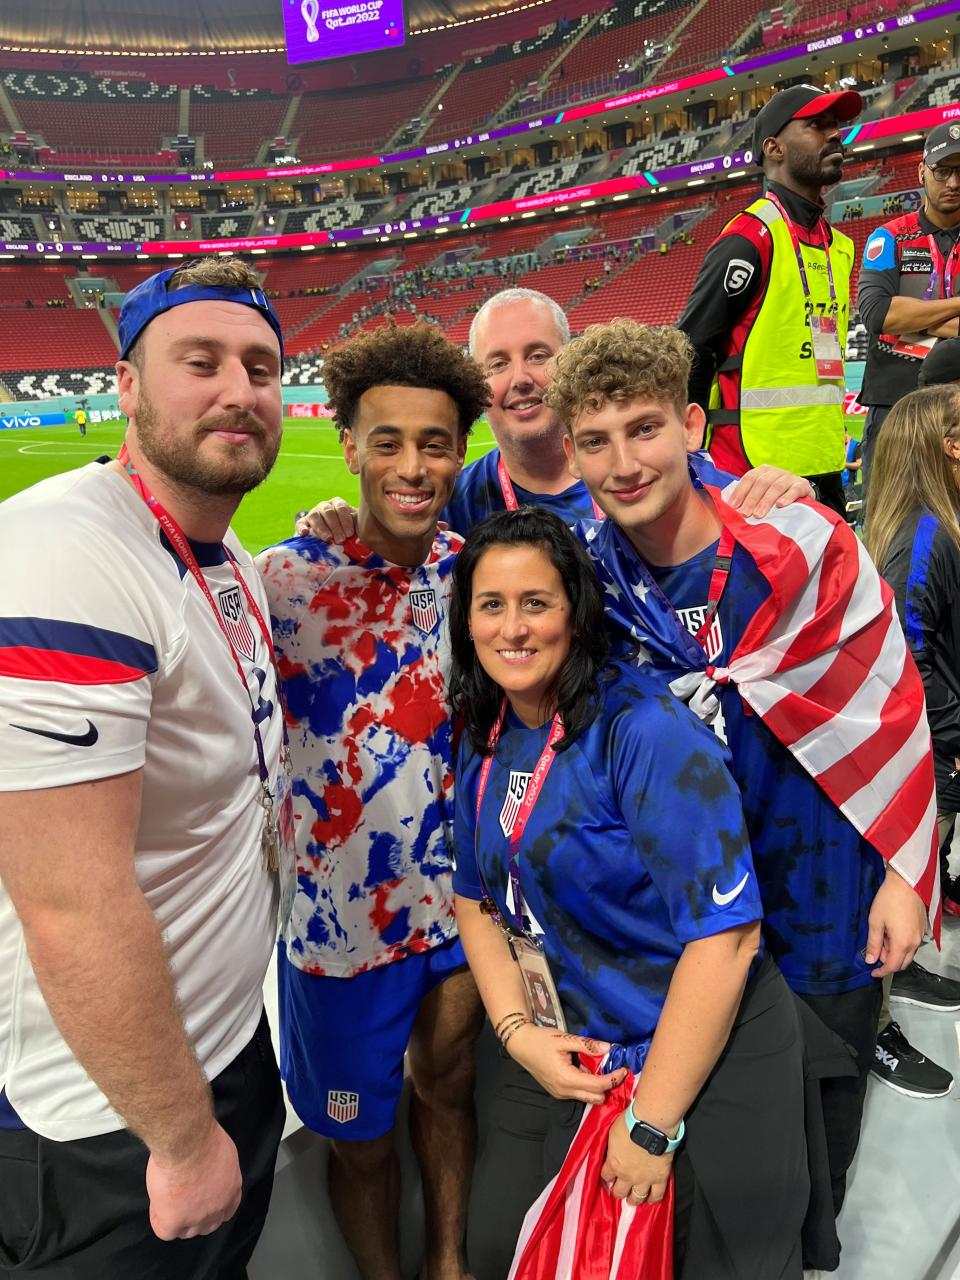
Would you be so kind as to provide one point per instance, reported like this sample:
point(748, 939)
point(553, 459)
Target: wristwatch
point(653, 1140)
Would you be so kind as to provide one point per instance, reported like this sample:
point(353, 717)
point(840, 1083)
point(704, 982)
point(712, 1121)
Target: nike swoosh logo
point(71, 739)
point(724, 899)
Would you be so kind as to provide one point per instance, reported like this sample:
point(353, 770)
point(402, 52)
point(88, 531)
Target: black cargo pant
point(79, 1211)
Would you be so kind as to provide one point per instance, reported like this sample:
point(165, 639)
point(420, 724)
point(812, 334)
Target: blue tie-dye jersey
point(636, 846)
point(363, 657)
point(818, 876)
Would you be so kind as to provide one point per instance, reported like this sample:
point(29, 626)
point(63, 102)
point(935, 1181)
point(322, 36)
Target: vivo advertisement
point(316, 29)
point(18, 421)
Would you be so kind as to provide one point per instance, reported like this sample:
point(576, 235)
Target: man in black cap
point(909, 291)
point(768, 313)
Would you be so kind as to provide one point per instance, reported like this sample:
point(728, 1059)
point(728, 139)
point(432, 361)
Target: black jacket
point(923, 568)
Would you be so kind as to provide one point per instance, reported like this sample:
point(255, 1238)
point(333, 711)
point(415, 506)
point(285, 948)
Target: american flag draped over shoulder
point(577, 1230)
point(823, 662)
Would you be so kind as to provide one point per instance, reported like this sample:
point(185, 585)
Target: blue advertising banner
point(11, 421)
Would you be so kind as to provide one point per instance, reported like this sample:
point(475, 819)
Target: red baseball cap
point(799, 103)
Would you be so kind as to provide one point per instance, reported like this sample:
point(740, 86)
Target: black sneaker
point(916, 985)
point(905, 1069)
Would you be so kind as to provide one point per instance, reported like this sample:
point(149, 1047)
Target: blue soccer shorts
point(342, 1040)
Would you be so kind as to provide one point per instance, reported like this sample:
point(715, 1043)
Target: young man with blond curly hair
point(780, 632)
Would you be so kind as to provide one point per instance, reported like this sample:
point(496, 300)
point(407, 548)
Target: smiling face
point(632, 456)
point(514, 344)
point(202, 396)
point(406, 446)
point(521, 621)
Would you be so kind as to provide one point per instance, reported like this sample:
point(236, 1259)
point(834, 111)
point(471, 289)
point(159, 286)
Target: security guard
point(768, 313)
point(909, 291)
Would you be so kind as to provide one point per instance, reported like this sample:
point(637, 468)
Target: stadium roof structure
point(162, 26)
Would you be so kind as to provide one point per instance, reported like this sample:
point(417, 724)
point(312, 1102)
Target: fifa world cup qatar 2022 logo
point(318, 29)
point(310, 11)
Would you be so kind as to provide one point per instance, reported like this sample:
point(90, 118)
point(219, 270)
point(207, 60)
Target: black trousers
point(741, 1177)
point(830, 489)
point(851, 1015)
point(79, 1210)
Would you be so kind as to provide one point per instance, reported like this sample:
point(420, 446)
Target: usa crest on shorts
point(423, 609)
point(342, 1105)
point(234, 617)
point(516, 790)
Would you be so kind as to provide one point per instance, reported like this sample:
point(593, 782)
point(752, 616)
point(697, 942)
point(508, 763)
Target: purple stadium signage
point(547, 121)
point(316, 29)
point(698, 170)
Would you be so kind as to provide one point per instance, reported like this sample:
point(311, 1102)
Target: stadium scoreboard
point(317, 29)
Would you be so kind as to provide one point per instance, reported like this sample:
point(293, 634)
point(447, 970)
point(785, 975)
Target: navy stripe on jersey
point(71, 652)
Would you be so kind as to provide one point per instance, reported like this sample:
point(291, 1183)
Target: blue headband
point(153, 297)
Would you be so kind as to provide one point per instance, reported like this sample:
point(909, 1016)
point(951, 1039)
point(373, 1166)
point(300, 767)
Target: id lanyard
point(178, 541)
point(795, 241)
point(942, 270)
point(510, 497)
point(718, 580)
point(532, 793)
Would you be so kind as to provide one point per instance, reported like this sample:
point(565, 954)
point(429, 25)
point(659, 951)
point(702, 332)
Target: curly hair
point(474, 696)
point(620, 361)
point(225, 273)
point(417, 356)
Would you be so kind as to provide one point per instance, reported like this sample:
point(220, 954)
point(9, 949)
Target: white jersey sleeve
point(78, 644)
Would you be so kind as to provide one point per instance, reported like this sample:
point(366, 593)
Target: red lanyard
point(510, 497)
point(183, 549)
point(530, 797)
point(718, 580)
point(795, 241)
point(941, 270)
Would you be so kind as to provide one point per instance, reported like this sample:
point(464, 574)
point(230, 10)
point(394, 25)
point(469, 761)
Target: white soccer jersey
point(112, 659)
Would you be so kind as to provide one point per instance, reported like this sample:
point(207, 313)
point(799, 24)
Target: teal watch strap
point(672, 1143)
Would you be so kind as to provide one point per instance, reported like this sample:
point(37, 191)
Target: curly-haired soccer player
point(371, 966)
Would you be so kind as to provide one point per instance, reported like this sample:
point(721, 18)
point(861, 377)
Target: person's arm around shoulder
point(100, 962)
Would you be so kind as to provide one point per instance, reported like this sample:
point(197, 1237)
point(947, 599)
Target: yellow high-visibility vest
point(783, 414)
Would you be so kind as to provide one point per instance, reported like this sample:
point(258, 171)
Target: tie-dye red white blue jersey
point(363, 657)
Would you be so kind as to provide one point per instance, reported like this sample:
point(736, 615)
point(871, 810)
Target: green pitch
point(310, 467)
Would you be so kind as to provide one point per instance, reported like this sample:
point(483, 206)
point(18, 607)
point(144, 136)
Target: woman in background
point(912, 533)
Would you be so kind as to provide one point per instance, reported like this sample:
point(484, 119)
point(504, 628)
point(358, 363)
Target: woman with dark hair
point(608, 907)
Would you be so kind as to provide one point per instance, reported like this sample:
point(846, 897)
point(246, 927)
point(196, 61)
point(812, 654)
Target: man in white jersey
point(141, 776)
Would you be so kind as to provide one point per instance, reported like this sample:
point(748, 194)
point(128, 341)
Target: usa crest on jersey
point(234, 617)
point(516, 790)
point(423, 609)
point(342, 1105)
